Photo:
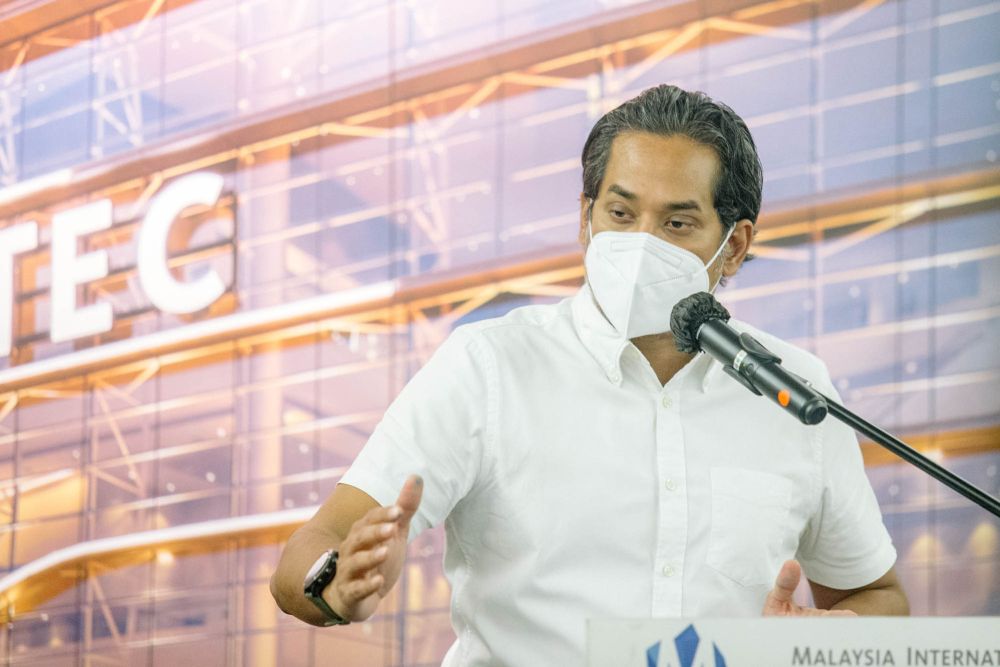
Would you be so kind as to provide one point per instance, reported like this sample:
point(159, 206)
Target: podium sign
point(794, 642)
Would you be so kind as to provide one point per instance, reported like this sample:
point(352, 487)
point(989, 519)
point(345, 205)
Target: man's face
point(663, 186)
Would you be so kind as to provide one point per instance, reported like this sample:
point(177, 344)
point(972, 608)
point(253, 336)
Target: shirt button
point(670, 485)
point(668, 571)
point(615, 377)
point(666, 402)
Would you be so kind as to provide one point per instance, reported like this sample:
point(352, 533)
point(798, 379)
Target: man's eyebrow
point(686, 205)
point(622, 192)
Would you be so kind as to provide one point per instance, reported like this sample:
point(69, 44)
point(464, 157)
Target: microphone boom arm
point(811, 406)
point(699, 323)
point(914, 457)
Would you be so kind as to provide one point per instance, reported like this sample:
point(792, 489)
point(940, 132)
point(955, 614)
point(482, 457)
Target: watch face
point(317, 567)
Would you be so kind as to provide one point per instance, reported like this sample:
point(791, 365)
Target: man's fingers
point(409, 497)
point(810, 611)
point(841, 612)
point(381, 523)
point(361, 563)
point(354, 591)
point(787, 581)
point(381, 515)
point(367, 537)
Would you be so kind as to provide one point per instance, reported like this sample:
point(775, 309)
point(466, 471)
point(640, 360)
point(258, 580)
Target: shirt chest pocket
point(750, 514)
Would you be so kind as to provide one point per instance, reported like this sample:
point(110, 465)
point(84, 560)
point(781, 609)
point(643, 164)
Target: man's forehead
point(670, 168)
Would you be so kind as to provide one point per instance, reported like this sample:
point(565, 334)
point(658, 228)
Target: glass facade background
point(433, 146)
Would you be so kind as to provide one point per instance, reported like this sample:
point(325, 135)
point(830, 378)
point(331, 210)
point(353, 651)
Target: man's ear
point(584, 204)
point(737, 247)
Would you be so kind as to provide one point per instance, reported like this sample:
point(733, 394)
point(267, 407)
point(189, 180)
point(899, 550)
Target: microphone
point(699, 323)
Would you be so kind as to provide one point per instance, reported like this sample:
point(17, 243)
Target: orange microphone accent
point(784, 397)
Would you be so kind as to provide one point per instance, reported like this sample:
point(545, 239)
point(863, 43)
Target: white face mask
point(638, 278)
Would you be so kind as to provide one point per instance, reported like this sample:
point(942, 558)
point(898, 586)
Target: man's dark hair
point(668, 110)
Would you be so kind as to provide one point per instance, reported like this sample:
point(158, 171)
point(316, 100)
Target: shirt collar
point(606, 345)
point(600, 339)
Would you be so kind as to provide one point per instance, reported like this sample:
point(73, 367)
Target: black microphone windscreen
point(688, 316)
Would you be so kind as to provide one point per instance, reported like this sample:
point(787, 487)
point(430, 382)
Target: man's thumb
point(787, 581)
point(409, 496)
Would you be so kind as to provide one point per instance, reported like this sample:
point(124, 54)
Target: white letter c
point(166, 293)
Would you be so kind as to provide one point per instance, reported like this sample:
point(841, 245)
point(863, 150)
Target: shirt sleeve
point(436, 428)
point(846, 544)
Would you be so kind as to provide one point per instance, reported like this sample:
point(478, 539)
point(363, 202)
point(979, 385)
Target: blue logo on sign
point(686, 645)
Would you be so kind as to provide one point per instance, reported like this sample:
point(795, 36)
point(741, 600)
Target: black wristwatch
point(317, 579)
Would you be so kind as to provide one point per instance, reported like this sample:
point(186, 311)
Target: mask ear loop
point(716, 256)
point(590, 220)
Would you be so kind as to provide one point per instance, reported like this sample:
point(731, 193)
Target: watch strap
point(314, 589)
point(332, 617)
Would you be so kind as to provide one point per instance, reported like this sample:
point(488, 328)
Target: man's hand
point(371, 556)
point(779, 601)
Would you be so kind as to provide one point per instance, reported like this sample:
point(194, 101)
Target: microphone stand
point(910, 455)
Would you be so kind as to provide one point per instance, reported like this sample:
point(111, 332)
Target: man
point(582, 466)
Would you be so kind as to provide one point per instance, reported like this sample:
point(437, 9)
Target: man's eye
point(615, 213)
point(678, 224)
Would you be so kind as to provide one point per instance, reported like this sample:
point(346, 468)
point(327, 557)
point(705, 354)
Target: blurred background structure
point(393, 168)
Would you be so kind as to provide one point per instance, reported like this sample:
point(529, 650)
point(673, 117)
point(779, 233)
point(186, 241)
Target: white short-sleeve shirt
point(572, 484)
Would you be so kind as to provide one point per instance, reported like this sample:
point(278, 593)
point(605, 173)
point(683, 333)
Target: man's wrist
point(332, 600)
